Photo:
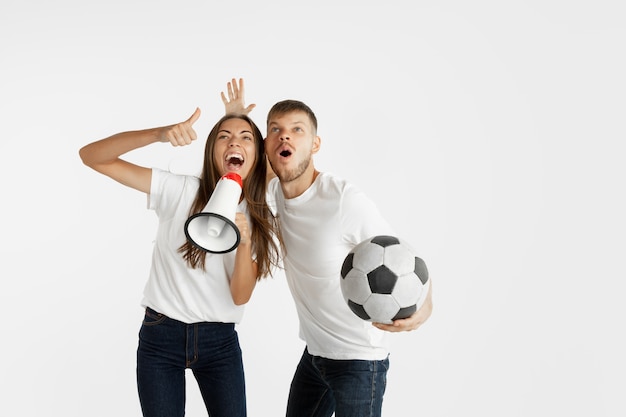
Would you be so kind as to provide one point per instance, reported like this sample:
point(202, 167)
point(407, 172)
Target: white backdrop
point(487, 132)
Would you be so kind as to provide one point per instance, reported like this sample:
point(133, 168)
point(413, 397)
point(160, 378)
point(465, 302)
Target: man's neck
point(295, 188)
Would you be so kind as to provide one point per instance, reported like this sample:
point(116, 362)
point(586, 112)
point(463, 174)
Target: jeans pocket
point(385, 363)
point(152, 318)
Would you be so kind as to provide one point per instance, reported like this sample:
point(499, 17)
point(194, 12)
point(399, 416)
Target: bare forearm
point(243, 281)
point(109, 149)
point(416, 320)
point(104, 155)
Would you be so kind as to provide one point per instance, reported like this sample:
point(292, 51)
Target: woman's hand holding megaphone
point(181, 134)
point(244, 230)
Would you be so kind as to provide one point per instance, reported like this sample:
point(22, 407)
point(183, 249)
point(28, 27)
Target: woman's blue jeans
point(168, 347)
point(349, 388)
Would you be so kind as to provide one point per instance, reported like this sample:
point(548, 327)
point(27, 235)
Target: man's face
point(290, 144)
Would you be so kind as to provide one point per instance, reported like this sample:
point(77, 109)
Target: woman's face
point(235, 148)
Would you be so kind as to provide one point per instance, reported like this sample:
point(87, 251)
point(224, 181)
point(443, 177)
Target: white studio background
point(487, 132)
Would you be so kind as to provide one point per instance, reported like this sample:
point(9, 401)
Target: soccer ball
point(382, 280)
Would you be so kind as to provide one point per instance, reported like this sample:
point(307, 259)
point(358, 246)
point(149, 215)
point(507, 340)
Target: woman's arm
point(243, 281)
point(235, 103)
point(104, 155)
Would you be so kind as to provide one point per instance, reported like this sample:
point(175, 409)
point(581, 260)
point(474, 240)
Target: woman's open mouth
point(234, 161)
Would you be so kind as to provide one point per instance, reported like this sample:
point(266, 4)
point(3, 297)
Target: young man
point(343, 368)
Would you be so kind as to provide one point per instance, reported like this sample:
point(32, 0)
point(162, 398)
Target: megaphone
point(214, 229)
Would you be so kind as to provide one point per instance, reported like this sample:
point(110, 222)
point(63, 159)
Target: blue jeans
point(349, 388)
point(168, 347)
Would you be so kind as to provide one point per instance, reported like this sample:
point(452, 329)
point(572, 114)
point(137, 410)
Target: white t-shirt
point(173, 288)
point(319, 228)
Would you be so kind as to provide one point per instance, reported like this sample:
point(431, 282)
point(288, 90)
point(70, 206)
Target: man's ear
point(317, 142)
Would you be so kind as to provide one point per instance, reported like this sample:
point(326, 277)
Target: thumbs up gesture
point(181, 134)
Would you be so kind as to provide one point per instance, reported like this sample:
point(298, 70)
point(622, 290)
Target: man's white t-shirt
point(319, 229)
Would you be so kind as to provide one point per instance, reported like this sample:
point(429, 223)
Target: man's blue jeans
point(211, 350)
point(349, 388)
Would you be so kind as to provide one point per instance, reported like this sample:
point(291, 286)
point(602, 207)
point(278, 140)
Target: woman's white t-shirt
point(173, 288)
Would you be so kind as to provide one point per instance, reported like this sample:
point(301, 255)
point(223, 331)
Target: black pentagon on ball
point(405, 312)
point(385, 241)
point(420, 270)
point(358, 310)
point(382, 280)
point(347, 265)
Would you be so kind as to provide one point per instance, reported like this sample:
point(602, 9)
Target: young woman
point(194, 298)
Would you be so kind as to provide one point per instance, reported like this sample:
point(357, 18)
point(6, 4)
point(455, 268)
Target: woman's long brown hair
point(265, 233)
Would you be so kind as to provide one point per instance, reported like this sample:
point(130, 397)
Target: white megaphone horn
point(214, 229)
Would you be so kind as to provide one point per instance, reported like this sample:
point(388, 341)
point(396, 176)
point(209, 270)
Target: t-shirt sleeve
point(361, 217)
point(167, 191)
point(270, 195)
point(155, 188)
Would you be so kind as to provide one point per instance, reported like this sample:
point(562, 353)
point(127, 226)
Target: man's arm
point(416, 320)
